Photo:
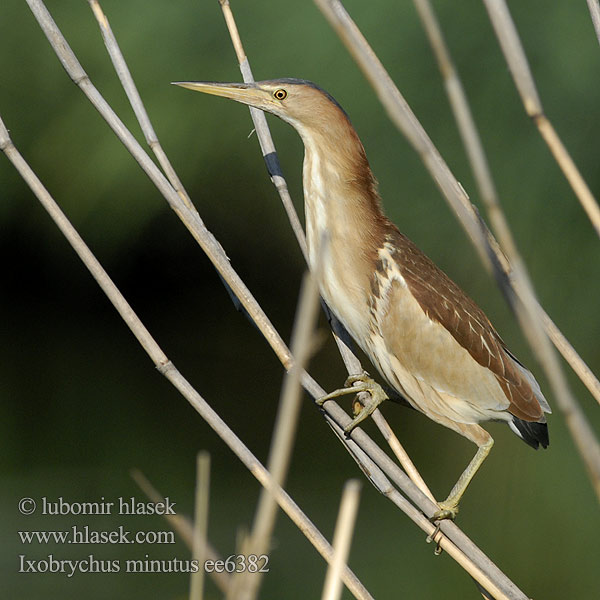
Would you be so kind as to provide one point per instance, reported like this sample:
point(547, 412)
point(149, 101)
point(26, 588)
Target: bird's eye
point(280, 94)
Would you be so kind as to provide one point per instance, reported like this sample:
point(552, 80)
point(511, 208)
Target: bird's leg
point(449, 507)
point(364, 384)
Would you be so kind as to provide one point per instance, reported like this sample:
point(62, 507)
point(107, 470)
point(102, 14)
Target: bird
point(426, 337)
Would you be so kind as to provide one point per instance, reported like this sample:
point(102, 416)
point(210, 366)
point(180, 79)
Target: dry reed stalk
point(246, 585)
point(184, 528)
point(514, 54)
point(181, 524)
point(342, 538)
point(571, 356)
point(594, 7)
point(200, 540)
point(135, 100)
point(262, 131)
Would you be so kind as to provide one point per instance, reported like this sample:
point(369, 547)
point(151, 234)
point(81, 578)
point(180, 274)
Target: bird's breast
point(335, 243)
point(340, 281)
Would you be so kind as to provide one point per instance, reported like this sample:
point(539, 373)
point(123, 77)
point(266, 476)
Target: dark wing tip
point(532, 433)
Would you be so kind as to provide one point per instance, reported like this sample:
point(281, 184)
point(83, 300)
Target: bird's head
point(321, 122)
point(301, 103)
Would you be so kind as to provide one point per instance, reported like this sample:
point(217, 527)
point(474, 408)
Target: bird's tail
point(534, 433)
point(531, 432)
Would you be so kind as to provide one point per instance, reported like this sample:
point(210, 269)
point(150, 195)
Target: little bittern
point(427, 338)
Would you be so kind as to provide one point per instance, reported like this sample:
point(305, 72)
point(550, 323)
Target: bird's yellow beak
point(247, 93)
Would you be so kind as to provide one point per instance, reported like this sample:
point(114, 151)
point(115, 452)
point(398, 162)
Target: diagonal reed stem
point(200, 539)
point(594, 7)
point(135, 100)
point(246, 585)
point(342, 537)
point(184, 528)
point(511, 46)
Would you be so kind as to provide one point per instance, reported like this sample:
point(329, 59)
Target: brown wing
point(443, 301)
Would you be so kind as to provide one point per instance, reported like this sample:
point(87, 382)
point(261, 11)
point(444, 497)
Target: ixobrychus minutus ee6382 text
point(431, 343)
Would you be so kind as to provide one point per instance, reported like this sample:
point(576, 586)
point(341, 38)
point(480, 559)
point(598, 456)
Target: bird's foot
point(448, 510)
point(356, 384)
point(433, 537)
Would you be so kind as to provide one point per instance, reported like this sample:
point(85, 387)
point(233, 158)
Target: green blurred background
point(81, 402)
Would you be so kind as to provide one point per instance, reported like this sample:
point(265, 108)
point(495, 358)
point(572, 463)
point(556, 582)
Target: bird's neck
point(342, 205)
point(345, 225)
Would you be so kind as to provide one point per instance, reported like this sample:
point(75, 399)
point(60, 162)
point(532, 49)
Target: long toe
point(375, 399)
point(446, 511)
point(364, 377)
